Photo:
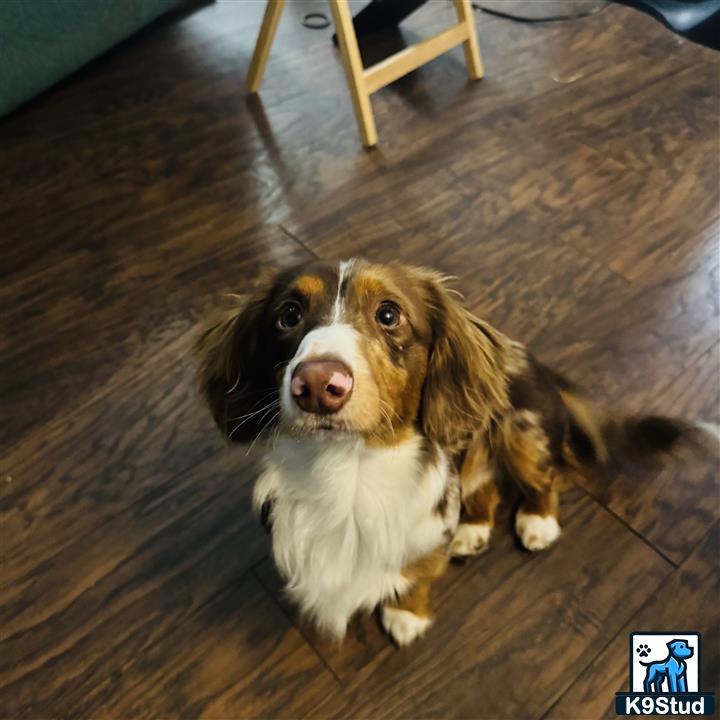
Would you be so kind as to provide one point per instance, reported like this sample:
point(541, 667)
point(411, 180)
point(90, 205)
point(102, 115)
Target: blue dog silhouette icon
point(672, 669)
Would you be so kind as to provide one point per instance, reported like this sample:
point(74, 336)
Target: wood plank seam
point(621, 631)
point(292, 620)
point(590, 662)
point(627, 525)
point(297, 240)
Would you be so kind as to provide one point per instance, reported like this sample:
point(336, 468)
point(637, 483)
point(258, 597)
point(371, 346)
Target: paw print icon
point(643, 650)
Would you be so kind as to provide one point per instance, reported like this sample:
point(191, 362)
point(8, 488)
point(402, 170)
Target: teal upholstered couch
point(42, 41)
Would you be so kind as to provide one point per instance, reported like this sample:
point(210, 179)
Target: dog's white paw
point(470, 539)
point(536, 532)
point(404, 626)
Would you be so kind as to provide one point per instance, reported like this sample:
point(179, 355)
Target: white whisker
point(262, 430)
point(247, 416)
point(272, 392)
point(266, 409)
point(387, 416)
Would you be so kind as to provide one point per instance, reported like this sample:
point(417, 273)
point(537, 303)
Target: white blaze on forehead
point(337, 339)
point(343, 271)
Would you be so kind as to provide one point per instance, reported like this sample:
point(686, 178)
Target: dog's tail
point(599, 437)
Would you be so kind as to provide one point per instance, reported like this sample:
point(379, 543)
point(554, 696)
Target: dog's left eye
point(290, 316)
point(388, 315)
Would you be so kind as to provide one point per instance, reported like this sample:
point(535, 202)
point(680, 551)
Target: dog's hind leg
point(653, 679)
point(480, 498)
point(528, 457)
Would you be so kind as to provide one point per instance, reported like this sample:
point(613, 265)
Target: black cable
point(316, 21)
point(320, 21)
point(551, 18)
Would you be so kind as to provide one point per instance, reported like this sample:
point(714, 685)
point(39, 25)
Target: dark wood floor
point(575, 194)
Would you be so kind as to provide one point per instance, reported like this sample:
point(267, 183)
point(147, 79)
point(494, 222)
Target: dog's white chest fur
point(347, 519)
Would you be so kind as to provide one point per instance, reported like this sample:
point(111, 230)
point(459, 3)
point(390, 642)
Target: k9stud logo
point(665, 676)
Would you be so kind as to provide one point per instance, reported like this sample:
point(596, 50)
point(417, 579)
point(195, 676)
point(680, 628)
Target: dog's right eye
point(389, 315)
point(290, 316)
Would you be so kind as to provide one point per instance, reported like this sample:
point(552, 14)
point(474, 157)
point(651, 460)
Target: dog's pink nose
point(321, 386)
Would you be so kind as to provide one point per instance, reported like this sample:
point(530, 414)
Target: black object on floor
point(316, 21)
point(516, 14)
point(381, 15)
point(696, 20)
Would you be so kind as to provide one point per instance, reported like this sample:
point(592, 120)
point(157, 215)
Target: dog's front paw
point(536, 532)
point(470, 539)
point(402, 625)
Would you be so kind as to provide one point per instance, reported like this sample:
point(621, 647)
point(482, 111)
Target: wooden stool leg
point(354, 70)
point(464, 11)
point(262, 46)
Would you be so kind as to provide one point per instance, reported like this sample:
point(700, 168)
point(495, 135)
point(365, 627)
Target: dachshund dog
point(390, 415)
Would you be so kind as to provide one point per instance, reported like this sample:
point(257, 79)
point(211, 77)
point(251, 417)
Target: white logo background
point(658, 652)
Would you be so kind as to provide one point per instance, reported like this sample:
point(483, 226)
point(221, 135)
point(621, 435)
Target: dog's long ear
point(465, 385)
point(232, 375)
